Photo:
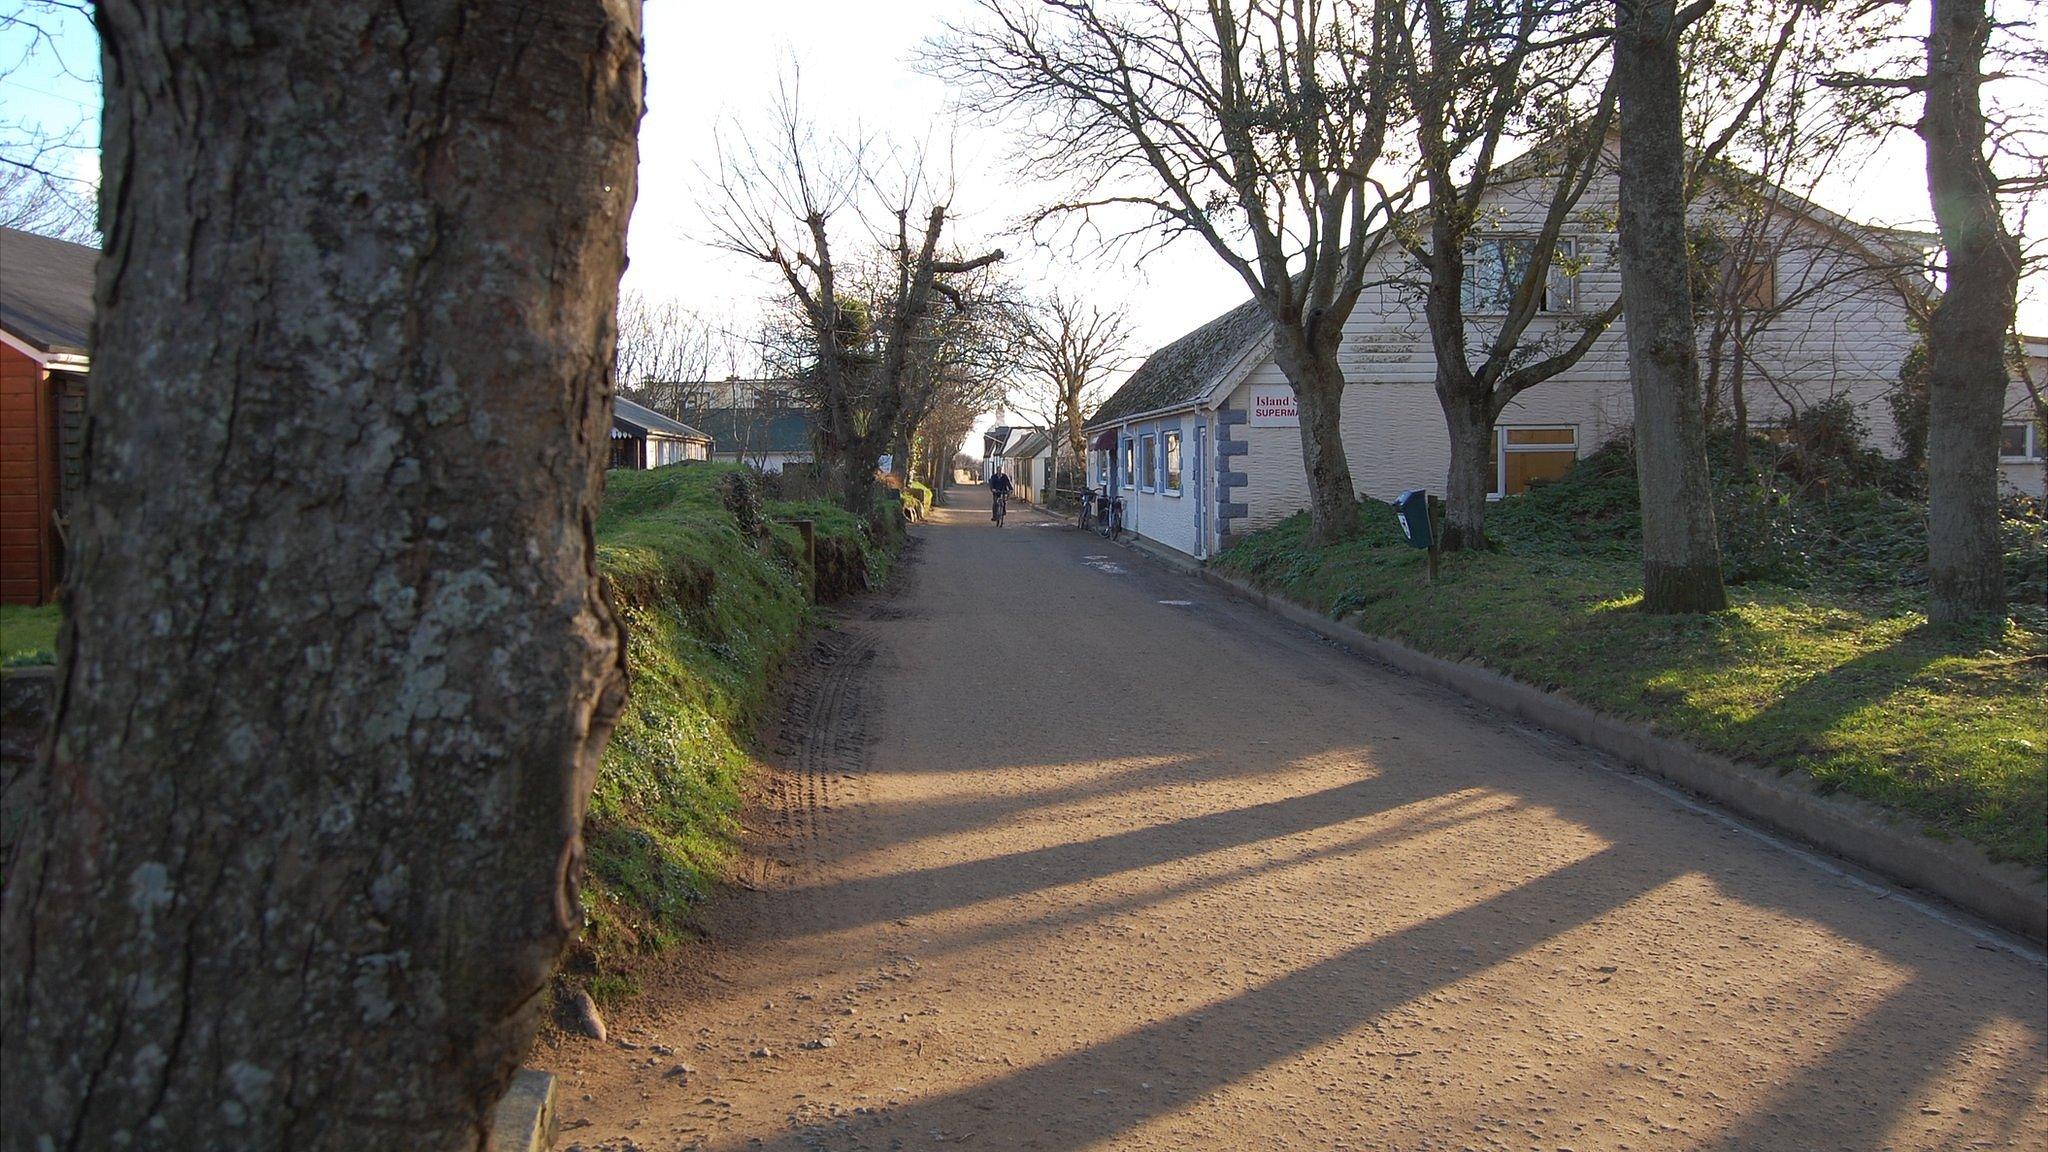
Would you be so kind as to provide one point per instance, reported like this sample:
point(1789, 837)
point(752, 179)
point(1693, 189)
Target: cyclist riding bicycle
point(999, 485)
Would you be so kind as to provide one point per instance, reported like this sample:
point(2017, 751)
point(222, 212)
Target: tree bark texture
point(1077, 439)
point(1966, 370)
point(1470, 424)
point(339, 666)
point(1681, 552)
point(1318, 382)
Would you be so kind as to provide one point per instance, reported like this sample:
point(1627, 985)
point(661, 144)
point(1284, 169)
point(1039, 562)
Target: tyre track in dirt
point(824, 724)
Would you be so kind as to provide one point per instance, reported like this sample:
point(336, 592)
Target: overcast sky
point(713, 62)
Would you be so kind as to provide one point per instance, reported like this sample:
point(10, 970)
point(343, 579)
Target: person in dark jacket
point(999, 488)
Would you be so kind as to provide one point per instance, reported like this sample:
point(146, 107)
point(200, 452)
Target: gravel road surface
point(1064, 850)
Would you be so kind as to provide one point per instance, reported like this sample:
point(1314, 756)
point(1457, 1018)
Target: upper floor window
point(1755, 285)
point(1496, 265)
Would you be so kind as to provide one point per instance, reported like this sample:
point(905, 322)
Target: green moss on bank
point(1823, 664)
point(711, 610)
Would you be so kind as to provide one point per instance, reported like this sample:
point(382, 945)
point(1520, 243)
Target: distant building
point(993, 442)
point(644, 438)
point(45, 329)
point(767, 439)
point(692, 396)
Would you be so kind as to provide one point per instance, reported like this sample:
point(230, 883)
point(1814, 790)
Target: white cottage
point(1031, 460)
point(1203, 443)
point(644, 438)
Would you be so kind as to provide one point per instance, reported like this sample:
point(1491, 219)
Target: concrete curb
point(525, 1117)
point(2010, 896)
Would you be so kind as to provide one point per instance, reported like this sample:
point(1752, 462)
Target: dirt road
point(1070, 852)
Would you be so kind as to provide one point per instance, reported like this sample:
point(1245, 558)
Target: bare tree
point(780, 203)
point(1068, 350)
point(669, 356)
point(1681, 550)
point(959, 356)
point(1496, 283)
point(35, 200)
point(38, 192)
point(338, 667)
point(1980, 79)
point(1756, 82)
point(1258, 126)
point(1966, 336)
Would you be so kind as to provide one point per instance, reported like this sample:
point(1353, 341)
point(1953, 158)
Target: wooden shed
point(45, 328)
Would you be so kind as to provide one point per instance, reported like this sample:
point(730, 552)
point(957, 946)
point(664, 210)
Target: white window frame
point(1148, 469)
point(2030, 447)
point(1560, 288)
point(1170, 482)
point(1130, 476)
point(1501, 448)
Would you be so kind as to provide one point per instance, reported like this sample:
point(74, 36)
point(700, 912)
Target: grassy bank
point(1823, 665)
point(28, 634)
point(713, 588)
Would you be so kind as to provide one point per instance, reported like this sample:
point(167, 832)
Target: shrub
point(918, 498)
point(740, 493)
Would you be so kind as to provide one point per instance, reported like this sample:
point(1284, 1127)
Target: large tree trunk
point(852, 476)
point(1077, 440)
point(1966, 375)
point(1681, 553)
point(1470, 424)
point(338, 666)
point(1319, 396)
point(899, 453)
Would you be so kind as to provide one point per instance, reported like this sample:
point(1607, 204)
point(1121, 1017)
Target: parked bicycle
point(1110, 517)
point(1088, 498)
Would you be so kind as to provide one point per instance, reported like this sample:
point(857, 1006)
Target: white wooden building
point(1203, 444)
point(1028, 460)
point(644, 438)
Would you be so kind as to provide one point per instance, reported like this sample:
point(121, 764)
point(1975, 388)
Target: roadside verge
point(2010, 896)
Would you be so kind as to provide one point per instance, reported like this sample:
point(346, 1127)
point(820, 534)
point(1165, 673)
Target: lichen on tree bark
point(338, 666)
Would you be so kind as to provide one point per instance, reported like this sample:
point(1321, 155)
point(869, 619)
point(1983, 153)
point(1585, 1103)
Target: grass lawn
point(1813, 674)
point(28, 634)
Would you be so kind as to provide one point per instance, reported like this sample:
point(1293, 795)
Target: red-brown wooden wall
point(28, 481)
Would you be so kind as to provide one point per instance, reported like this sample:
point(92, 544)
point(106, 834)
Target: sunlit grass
point(1949, 729)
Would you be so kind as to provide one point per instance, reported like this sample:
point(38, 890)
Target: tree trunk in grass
point(1310, 365)
point(1472, 473)
point(1966, 371)
point(1681, 553)
point(339, 667)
